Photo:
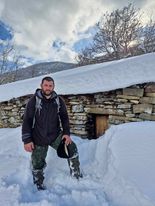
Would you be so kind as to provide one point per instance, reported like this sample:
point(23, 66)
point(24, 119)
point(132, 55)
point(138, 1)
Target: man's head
point(47, 85)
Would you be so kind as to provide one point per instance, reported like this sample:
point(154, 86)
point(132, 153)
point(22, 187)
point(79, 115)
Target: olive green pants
point(38, 157)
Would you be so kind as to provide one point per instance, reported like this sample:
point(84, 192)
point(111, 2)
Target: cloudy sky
point(54, 30)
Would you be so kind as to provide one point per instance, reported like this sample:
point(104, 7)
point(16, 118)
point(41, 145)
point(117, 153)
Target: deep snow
point(119, 170)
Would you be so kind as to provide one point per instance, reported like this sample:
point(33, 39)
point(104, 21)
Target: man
point(44, 113)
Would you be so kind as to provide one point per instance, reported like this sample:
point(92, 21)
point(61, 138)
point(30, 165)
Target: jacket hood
point(39, 94)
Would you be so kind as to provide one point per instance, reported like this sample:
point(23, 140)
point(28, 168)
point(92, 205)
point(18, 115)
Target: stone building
point(91, 113)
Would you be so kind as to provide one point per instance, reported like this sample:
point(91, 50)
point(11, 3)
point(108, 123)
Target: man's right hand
point(29, 147)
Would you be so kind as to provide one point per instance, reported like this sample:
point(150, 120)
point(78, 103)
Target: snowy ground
point(119, 170)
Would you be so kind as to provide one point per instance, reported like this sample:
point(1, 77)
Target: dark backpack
point(38, 108)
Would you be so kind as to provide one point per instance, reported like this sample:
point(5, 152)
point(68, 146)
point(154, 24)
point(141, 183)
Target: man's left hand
point(67, 138)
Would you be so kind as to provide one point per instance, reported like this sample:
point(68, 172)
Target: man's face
point(47, 87)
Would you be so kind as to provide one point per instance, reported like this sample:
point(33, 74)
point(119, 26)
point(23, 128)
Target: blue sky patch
point(5, 32)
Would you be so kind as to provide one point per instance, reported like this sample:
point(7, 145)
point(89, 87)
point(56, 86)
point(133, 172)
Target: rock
point(150, 94)
point(78, 108)
point(121, 100)
point(133, 92)
point(12, 120)
point(147, 116)
point(130, 115)
point(124, 106)
point(150, 88)
point(124, 119)
point(142, 108)
point(128, 97)
point(104, 111)
point(8, 108)
point(147, 100)
point(134, 101)
point(82, 122)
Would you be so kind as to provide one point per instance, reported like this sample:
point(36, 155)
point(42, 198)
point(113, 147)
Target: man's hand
point(67, 138)
point(29, 147)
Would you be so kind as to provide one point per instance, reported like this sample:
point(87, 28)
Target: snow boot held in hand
point(74, 166)
point(38, 178)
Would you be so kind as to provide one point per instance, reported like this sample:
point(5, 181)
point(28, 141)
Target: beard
point(47, 93)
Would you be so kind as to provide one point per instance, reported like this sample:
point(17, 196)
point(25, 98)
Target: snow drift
point(119, 170)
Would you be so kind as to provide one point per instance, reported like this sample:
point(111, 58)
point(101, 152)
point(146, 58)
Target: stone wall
point(11, 112)
point(136, 103)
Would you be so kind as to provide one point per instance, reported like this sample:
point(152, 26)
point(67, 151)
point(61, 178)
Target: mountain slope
point(36, 70)
point(43, 68)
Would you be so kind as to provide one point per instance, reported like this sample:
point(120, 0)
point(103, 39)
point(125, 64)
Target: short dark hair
point(47, 78)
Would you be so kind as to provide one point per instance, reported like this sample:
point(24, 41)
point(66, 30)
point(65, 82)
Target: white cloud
point(38, 23)
point(1, 7)
point(149, 8)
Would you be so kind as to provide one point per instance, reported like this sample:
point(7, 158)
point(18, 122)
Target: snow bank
point(110, 164)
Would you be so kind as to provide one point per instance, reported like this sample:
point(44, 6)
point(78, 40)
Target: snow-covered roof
point(91, 78)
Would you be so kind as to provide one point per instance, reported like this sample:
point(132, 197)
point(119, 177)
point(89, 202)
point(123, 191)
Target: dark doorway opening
point(97, 125)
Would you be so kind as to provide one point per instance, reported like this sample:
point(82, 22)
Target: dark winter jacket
point(47, 120)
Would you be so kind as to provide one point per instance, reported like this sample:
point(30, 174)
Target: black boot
point(38, 178)
point(74, 166)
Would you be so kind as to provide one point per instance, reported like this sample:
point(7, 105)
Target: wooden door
point(101, 124)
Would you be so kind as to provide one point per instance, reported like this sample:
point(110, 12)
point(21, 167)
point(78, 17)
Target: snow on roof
point(91, 78)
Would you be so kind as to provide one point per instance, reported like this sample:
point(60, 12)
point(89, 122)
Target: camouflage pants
point(38, 157)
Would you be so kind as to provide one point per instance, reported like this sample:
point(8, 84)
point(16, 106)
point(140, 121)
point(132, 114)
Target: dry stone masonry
point(132, 104)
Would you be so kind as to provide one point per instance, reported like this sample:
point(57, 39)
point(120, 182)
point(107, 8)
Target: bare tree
point(9, 61)
point(149, 37)
point(116, 34)
point(85, 56)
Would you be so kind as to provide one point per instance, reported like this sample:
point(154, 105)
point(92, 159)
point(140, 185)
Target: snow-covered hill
point(36, 70)
point(91, 78)
point(119, 170)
